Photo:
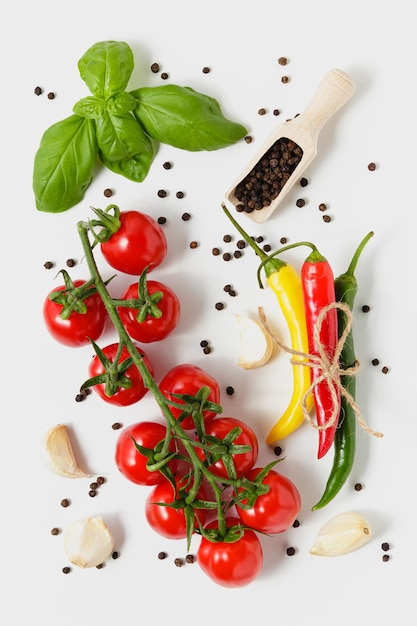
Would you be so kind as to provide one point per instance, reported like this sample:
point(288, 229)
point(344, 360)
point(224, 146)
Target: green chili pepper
point(346, 288)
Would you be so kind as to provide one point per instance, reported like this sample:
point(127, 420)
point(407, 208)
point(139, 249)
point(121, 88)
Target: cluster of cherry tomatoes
point(207, 480)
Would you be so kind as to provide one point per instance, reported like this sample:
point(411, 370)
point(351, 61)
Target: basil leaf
point(136, 168)
point(90, 107)
point(106, 68)
point(64, 164)
point(120, 137)
point(184, 118)
point(121, 103)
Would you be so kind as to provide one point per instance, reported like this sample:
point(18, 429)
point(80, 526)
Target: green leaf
point(89, 107)
point(121, 103)
point(135, 168)
point(121, 137)
point(64, 164)
point(106, 67)
point(184, 118)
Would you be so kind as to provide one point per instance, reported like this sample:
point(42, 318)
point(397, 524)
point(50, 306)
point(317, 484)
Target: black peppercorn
point(108, 193)
point(205, 70)
point(116, 426)
point(180, 194)
point(164, 76)
point(162, 220)
point(327, 218)
point(375, 361)
point(51, 95)
point(300, 202)
point(371, 167)
point(277, 450)
point(37, 91)
point(227, 256)
point(230, 390)
point(219, 306)
point(385, 546)
point(366, 308)
point(115, 555)
point(155, 68)
point(193, 244)
point(185, 217)
point(162, 193)
point(55, 531)
point(48, 265)
point(215, 251)
point(167, 165)
point(66, 570)
point(291, 551)
point(65, 502)
point(162, 555)
point(178, 562)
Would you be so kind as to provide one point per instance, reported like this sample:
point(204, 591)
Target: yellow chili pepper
point(285, 282)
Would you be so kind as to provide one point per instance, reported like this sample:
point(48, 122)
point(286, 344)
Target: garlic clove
point(88, 542)
point(256, 345)
point(343, 533)
point(58, 453)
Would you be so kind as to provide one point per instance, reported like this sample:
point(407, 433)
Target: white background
point(373, 41)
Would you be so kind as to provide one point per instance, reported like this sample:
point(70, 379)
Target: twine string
point(331, 371)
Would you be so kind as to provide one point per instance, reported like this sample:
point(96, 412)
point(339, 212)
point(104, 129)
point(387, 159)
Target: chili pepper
point(346, 288)
point(285, 283)
point(319, 292)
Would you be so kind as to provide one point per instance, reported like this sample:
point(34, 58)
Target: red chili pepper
point(319, 292)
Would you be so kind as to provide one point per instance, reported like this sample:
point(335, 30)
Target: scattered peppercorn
point(227, 288)
point(155, 68)
point(327, 218)
point(385, 370)
point(366, 308)
point(207, 350)
point(115, 555)
point(167, 165)
point(193, 244)
point(259, 239)
point(227, 256)
point(227, 238)
point(80, 397)
point(230, 390)
point(300, 202)
point(100, 566)
point(385, 557)
point(162, 555)
point(296, 523)
point(375, 361)
point(203, 343)
point(65, 502)
point(266, 248)
point(283, 240)
point(71, 262)
point(37, 91)
point(180, 194)
point(284, 79)
point(219, 306)
point(303, 182)
point(164, 76)
point(261, 111)
point(108, 193)
point(51, 95)
point(66, 570)
point(277, 450)
point(94, 485)
point(276, 111)
point(291, 551)
point(248, 139)
point(241, 244)
point(371, 167)
point(215, 251)
point(385, 546)
point(232, 293)
point(101, 480)
point(116, 426)
point(237, 254)
point(162, 220)
point(283, 60)
point(92, 493)
point(55, 531)
point(178, 562)
point(358, 487)
point(48, 265)
point(162, 193)
point(205, 70)
point(190, 558)
point(322, 206)
point(185, 217)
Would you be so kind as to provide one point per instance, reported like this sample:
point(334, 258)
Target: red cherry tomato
point(79, 327)
point(220, 427)
point(123, 396)
point(188, 379)
point(130, 462)
point(233, 564)
point(168, 521)
point(140, 242)
point(152, 328)
point(275, 511)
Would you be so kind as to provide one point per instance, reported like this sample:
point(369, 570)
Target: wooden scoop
point(287, 162)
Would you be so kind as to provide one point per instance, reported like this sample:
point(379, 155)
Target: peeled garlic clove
point(59, 455)
point(88, 542)
point(256, 345)
point(341, 534)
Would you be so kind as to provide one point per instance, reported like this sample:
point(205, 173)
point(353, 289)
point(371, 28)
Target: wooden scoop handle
point(333, 92)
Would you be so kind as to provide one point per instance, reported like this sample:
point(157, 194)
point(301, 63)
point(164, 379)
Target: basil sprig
point(121, 129)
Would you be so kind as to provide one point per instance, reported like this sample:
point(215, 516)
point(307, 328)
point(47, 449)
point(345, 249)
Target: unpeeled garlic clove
point(59, 455)
point(88, 542)
point(341, 534)
point(256, 345)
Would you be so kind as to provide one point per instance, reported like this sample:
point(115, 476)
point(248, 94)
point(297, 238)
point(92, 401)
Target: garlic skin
point(58, 453)
point(343, 533)
point(88, 542)
point(256, 345)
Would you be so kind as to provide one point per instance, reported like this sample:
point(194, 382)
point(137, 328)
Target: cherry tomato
point(168, 521)
point(152, 328)
point(139, 242)
point(220, 427)
point(130, 462)
point(122, 397)
point(188, 379)
point(233, 564)
point(79, 327)
point(275, 511)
